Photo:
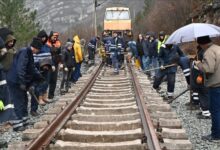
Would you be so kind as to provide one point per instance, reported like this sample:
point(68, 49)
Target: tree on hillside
point(19, 19)
point(148, 5)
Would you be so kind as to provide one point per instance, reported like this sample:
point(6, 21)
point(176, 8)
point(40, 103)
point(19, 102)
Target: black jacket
point(140, 47)
point(68, 58)
point(152, 46)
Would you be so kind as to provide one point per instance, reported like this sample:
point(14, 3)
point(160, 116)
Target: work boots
point(41, 101)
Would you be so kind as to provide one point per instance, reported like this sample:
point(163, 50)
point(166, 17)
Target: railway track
point(111, 112)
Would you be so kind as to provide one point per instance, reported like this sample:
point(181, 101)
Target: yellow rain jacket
point(77, 49)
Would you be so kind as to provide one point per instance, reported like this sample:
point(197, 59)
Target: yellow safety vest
point(159, 43)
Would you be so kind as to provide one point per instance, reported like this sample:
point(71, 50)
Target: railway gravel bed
point(109, 117)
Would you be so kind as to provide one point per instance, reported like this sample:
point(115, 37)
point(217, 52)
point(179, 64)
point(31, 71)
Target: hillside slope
point(61, 14)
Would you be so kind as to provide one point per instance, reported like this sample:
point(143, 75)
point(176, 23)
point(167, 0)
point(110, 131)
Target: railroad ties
point(108, 118)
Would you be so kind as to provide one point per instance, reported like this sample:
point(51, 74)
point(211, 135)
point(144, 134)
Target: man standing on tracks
point(169, 55)
point(92, 49)
point(55, 45)
point(115, 49)
point(210, 65)
point(20, 78)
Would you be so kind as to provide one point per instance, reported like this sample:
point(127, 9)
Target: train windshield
point(117, 15)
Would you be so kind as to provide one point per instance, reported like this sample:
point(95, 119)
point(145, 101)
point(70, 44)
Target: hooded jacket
point(77, 49)
point(169, 56)
point(7, 59)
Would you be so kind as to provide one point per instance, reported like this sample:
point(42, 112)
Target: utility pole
point(95, 17)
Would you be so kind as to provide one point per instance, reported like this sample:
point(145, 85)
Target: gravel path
point(195, 127)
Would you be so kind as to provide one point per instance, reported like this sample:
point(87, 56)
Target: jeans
point(76, 73)
point(154, 64)
point(66, 78)
point(146, 62)
point(115, 61)
point(214, 94)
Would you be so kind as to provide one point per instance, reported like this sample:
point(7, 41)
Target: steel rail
point(149, 130)
point(45, 137)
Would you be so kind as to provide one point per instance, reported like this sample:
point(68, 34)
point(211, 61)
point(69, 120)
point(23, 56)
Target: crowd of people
point(160, 61)
point(34, 70)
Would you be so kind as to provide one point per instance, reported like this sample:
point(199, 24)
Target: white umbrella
point(192, 31)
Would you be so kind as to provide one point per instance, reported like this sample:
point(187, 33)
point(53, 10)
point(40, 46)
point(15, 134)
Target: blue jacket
point(169, 56)
point(107, 43)
point(23, 70)
point(116, 45)
point(92, 44)
point(133, 47)
point(43, 54)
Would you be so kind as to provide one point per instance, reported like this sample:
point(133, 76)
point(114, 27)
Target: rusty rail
point(149, 130)
point(45, 137)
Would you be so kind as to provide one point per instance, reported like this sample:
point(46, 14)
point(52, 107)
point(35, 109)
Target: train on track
point(118, 19)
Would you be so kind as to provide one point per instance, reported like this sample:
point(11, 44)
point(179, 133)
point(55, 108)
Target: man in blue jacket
point(92, 48)
point(115, 49)
point(20, 78)
point(169, 55)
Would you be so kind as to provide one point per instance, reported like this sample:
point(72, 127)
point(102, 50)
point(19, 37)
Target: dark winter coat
point(45, 53)
point(140, 47)
point(116, 45)
point(92, 44)
point(146, 48)
point(107, 42)
point(23, 70)
point(170, 56)
point(152, 47)
point(68, 58)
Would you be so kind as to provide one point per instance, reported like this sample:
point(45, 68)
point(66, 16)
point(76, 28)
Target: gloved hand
point(195, 64)
point(23, 87)
point(53, 68)
point(3, 51)
point(162, 67)
point(66, 69)
point(1, 105)
point(61, 66)
point(31, 89)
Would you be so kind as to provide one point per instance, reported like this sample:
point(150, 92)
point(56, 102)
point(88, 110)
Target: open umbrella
point(192, 31)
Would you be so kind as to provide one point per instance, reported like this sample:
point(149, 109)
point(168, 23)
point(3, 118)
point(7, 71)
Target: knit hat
point(68, 44)
point(204, 40)
point(2, 44)
point(162, 33)
point(42, 34)
point(36, 43)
